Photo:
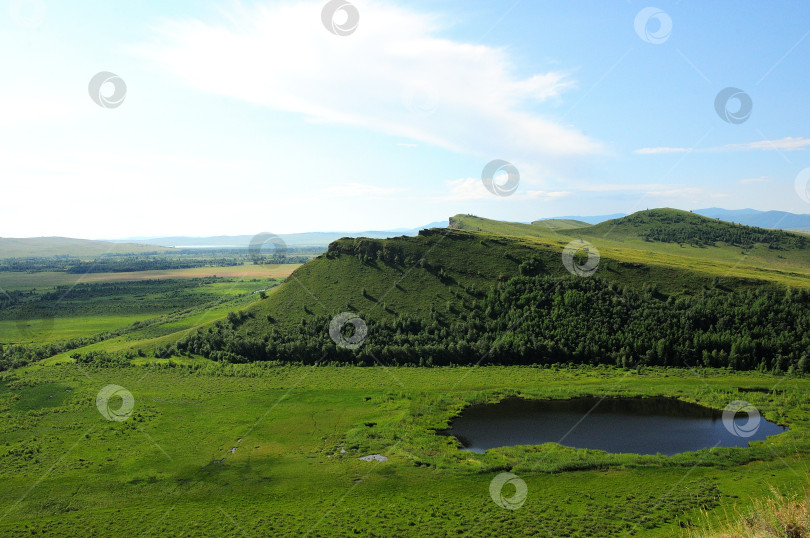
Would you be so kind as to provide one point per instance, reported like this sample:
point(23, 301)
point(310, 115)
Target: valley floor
point(258, 449)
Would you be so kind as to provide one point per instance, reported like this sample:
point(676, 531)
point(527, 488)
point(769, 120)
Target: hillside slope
point(680, 240)
point(682, 227)
point(412, 275)
point(457, 297)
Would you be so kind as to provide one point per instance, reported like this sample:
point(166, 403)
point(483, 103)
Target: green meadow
point(269, 449)
point(191, 446)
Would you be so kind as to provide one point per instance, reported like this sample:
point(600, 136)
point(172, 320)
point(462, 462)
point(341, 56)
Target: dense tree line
point(127, 263)
point(698, 231)
point(157, 263)
point(739, 236)
point(539, 320)
point(104, 297)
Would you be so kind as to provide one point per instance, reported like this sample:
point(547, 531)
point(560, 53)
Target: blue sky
point(242, 117)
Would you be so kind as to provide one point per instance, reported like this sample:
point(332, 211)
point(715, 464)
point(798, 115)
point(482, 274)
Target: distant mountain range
point(780, 220)
point(306, 239)
point(59, 246)
point(11, 247)
point(750, 217)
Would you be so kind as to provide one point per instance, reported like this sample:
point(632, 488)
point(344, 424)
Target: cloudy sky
point(284, 116)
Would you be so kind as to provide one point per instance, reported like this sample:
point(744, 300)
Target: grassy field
point(87, 309)
point(258, 450)
point(12, 281)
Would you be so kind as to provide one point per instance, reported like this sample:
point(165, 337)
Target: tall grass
point(780, 516)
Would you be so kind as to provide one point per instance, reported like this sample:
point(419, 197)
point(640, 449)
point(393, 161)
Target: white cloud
point(683, 191)
point(470, 188)
point(788, 143)
point(467, 188)
point(621, 187)
point(394, 75)
point(694, 193)
point(547, 196)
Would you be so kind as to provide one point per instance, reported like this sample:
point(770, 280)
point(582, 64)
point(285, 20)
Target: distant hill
point(674, 238)
point(306, 239)
point(64, 246)
point(560, 224)
point(535, 229)
point(682, 227)
point(780, 220)
point(595, 219)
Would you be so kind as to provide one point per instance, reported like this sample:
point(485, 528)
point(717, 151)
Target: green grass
point(165, 332)
point(89, 309)
point(17, 280)
point(560, 224)
point(64, 328)
point(169, 469)
point(623, 240)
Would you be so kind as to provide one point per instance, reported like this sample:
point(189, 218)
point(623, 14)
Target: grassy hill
point(678, 240)
point(681, 227)
point(64, 246)
point(560, 224)
point(412, 275)
point(451, 296)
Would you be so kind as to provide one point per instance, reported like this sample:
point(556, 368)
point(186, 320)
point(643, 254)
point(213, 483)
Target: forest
point(541, 320)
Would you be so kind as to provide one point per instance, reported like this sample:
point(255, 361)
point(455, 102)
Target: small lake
point(632, 425)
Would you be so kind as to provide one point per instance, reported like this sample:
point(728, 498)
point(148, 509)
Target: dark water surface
point(641, 426)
